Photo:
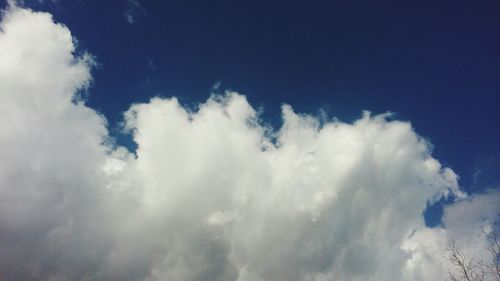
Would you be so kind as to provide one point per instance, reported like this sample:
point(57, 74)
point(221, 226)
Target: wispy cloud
point(133, 10)
point(151, 64)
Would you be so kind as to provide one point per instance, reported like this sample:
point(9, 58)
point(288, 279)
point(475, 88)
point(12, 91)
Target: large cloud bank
point(210, 194)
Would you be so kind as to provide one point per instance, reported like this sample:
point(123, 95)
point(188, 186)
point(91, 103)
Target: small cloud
point(133, 9)
point(129, 17)
point(216, 88)
point(152, 65)
point(216, 85)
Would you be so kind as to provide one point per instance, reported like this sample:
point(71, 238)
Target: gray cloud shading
point(210, 194)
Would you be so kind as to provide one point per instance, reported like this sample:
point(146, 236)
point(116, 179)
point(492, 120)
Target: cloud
point(211, 193)
point(50, 186)
point(464, 222)
point(133, 10)
point(151, 64)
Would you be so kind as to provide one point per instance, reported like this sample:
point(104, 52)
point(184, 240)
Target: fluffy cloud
point(464, 221)
point(211, 193)
point(51, 182)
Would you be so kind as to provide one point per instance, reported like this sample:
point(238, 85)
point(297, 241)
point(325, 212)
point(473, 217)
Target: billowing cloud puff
point(51, 180)
point(209, 194)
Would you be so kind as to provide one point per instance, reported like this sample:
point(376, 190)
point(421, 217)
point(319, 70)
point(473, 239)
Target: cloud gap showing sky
point(211, 193)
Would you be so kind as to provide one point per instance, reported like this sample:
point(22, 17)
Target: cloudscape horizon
point(212, 191)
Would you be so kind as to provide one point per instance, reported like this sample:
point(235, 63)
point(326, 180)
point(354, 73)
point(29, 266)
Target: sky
point(426, 61)
point(249, 141)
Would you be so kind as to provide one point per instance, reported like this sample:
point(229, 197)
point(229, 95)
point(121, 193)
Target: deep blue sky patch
point(436, 63)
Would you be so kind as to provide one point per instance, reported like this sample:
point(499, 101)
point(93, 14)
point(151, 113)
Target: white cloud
point(210, 194)
point(51, 196)
point(464, 222)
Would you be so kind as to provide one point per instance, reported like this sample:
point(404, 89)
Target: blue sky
point(149, 178)
point(434, 63)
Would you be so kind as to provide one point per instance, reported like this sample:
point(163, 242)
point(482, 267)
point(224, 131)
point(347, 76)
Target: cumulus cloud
point(50, 180)
point(209, 194)
point(465, 222)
